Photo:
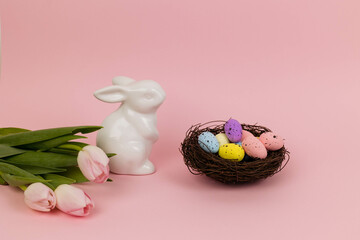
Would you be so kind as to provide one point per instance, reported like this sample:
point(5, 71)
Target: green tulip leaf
point(2, 181)
point(29, 137)
point(16, 181)
point(109, 155)
point(57, 180)
point(11, 130)
point(78, 144)
point(64, 151)
point(75, 173)
point(44, 159)
point(6, 151)
point(41, 170)
point(71, 148)
point(37, 169)
point(13, 170)
point(48, 144)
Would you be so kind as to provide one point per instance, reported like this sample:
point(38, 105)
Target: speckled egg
point(233, 130)
point(247, 158)
point(232, 151)
point(222, 138)
point(245, 134)
point(208, 142)
point(271, 141)
point(239, 143)
point(254, 148)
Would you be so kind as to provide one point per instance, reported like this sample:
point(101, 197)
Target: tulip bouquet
point(44, 163)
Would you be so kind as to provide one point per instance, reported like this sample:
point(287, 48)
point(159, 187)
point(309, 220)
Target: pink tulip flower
point(94, 164)
point(73, 200)
point(40, 197)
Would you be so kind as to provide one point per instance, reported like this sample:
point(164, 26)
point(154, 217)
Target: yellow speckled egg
point(222, 138)
point(232, 151)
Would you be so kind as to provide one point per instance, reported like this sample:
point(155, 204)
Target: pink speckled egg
point(246, 134)
point(254, 148)
point(271, 141)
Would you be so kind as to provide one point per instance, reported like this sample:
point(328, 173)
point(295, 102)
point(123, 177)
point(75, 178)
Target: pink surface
point(293, 66)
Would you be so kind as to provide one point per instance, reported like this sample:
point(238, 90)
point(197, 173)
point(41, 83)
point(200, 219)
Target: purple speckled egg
point(271, 141)
point(233, 130)
point(254, 148)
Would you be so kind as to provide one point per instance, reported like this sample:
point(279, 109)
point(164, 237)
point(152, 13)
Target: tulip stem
point(22, 187)
point(70, 146)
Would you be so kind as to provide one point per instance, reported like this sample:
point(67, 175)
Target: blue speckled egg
point(233, 130)
point(239, 143)
point(208, 142)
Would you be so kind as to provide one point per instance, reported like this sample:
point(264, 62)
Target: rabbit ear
point(111, 94)
point(122, 81)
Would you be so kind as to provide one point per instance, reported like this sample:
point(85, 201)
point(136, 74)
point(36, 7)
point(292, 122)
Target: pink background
point(293, 66)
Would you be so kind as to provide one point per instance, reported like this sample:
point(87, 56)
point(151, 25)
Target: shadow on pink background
point(293, 66)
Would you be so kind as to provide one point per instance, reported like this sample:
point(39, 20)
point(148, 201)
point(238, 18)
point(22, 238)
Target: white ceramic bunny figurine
point(131, 130)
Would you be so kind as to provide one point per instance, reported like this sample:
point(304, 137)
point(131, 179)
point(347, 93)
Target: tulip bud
point(94, 164)
point(73, 201)
point(40, 197)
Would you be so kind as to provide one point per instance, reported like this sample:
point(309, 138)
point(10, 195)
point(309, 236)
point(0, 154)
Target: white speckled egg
point(222, 138)
point(254, 148)
point(231, 151)
point(208, 142)
point(271, 141)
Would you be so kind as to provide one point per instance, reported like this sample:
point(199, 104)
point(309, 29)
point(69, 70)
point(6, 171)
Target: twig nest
point(231, 164)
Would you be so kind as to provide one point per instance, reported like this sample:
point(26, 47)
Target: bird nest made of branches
point(212, 165)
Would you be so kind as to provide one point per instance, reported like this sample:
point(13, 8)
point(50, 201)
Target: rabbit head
point(142, 96)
